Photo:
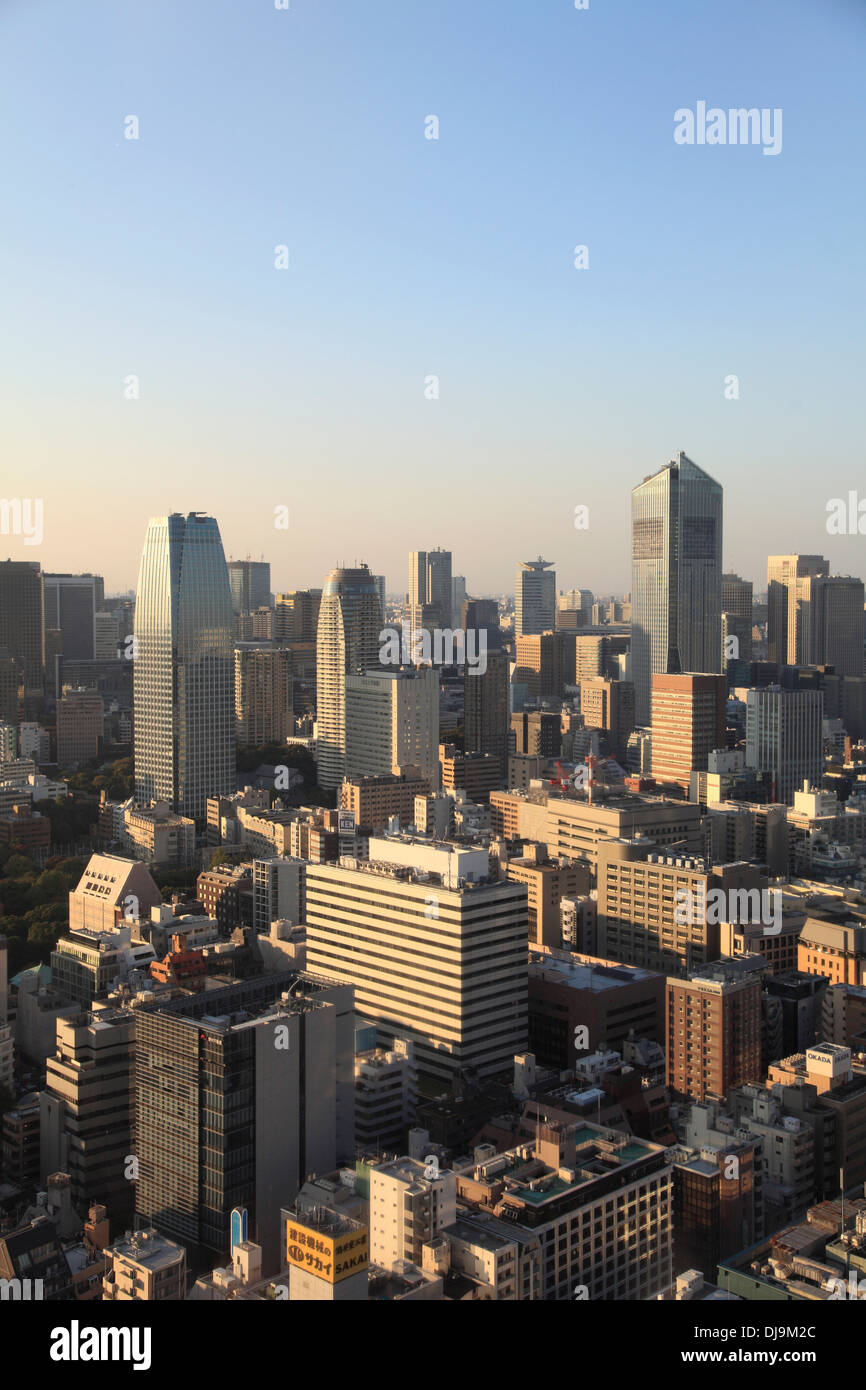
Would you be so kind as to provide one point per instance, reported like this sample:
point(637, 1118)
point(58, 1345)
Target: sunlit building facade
point(676, 576)
point(184, 667)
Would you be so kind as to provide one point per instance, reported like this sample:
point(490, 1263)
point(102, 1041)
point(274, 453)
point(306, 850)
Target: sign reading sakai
point(331, 1258)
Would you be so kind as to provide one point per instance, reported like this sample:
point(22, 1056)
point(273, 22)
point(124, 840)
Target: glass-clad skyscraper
point(347, 643)
point(676, 600)
point(184, 666)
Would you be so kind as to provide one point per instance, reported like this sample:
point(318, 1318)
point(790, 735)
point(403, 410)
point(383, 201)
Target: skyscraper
point(184, 666)
point(534, 597)
point(676, 576)
point(783, 738)
point(430, 589)
point(350, 621)
point(835, 623)
point(71, 604)
point(250, 582)
point(392, 721)
point(22, 621)
point(787, 617)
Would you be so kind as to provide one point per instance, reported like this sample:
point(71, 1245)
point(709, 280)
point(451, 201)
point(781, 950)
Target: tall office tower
point(784, 738)
point(80, 726)
point(430, 596)
point(263, 694)
point(737, 598)
point(417, 578)
point(296, 618)
point(71, 604)
point(688, 723)
point(380, 585)
point(240, 1092)
point(437, 951)
point(786, 594)
point(86, 1109)
point(392, 722)
point(250, 582)
point(347, 644)
point(458, 598)
point(106, 636)
point(837, 628)
point(22, 622)
point(8, 688)
point(534, 597)
point(485, 707)
point(184, 667)
point(439, 583)
point(609, 705)
point(542, 663)
point(714, 1029)
point(676, 576)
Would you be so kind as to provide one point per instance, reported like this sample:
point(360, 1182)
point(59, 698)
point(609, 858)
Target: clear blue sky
point(412, 257)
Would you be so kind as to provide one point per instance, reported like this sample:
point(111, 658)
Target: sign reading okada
point(331, 1258)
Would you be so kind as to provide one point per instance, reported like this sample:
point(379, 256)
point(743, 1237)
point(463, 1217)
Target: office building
point(547, 883)
point(597, 1201)
point(374, 801)
point(485, 707)
point(654, 909)
point(784, 743)
point(688, 724)
point(250, 584)
point(436, 951)
point(386, 1095)
point(71, 604)
point(80, 727)
point(347, 644)
point(410, 1203)
point(676, 576)
point(576, 827)
point(212, 1071)
point(611, 1000)
point(392, 722)
point(788, 606)
point(296, 616)
point(184, 667)
point(22, 624)
point(534, 597)
point(86, 1109)
point(278, 892)
point(476, 774)
point(608, 705)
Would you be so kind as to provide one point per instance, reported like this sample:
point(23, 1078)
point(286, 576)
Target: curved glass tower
point(676, 587)
point(347, 643)
point(184, 666)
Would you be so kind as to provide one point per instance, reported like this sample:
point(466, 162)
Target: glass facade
point(184, 667)
point(676, 601)
point(350, 621)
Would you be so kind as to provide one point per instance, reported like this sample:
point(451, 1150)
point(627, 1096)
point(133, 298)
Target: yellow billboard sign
point(331, 1258)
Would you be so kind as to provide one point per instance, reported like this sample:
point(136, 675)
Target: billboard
point(328, 1257)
